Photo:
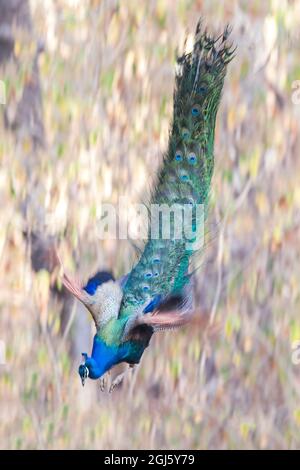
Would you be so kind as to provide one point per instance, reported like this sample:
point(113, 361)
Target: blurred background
point(86, 91)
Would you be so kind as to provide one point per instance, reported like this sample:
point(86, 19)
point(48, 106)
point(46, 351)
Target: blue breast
point(106, 356)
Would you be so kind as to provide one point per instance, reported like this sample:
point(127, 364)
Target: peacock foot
point(103, 383)
point(116, 382)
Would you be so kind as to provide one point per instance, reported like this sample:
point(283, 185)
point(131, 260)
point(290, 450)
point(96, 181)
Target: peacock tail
point(185, 175)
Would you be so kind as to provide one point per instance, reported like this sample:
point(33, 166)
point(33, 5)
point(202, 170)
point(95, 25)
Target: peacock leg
point(103, 383)
point(119, 378)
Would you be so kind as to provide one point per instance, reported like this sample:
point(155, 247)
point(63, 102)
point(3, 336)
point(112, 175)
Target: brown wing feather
point(75, 288)
point(166, 319)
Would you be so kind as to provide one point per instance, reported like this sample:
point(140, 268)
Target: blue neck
point(104, 357)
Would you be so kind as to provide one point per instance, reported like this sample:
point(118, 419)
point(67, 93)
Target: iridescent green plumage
point(186, 171)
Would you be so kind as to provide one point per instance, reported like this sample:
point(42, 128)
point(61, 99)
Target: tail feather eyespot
point(192, 158)
point(196, 110)
point(178, 155)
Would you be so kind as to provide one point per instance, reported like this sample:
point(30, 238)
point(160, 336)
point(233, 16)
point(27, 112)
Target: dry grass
point(107, 77)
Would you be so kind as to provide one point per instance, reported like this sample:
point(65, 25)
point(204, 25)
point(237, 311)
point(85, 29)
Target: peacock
point(157, 293)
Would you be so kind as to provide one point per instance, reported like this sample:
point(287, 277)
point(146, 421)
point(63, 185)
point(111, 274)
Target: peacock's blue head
point(103, 358)
point(91, 368)
point(84, 370)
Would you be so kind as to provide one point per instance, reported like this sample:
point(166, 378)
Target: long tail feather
point(185, 175)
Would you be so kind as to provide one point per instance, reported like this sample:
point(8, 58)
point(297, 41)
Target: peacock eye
point(146, 288)
point(178, 156)
point(156, 260)
point(202, 89)
point(148, 275)
point(190, 201)
point(192, 158)
point(184, 177)
point(185, 133)
point(156, 274)
point(195, 110)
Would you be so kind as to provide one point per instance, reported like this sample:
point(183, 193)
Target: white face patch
point(86, 372)
point(107, 301)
